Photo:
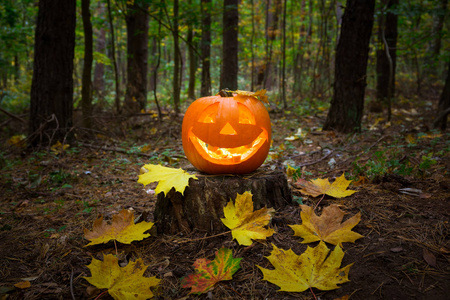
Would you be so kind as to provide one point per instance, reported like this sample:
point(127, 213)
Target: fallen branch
point(12, 115)
point(308, 163)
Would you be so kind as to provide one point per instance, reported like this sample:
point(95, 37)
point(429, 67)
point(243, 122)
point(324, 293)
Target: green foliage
point(427, 161)
point(380, 164)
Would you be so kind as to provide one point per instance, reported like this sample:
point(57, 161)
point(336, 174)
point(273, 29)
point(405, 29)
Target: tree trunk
point(436, 42)
point(206, 48)
point(98, 85)
point(52, 84)
point(283, 51)
point(444, 104)
point(192, 64)
point(201, 206)
point(386, 57)
point(16, 69)
point(177, 60)
point(86, 94)
point(157, 41)
point(352, 52)
point(273, 8)
point(114, 60)
point(299, 54)
point(229, 70)
point(137, 20)
point(252, 50)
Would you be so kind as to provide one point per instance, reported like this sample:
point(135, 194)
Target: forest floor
point(49, 197)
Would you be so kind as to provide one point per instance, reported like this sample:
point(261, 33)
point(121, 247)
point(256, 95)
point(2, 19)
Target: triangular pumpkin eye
point(209, 114)
point(245, 115)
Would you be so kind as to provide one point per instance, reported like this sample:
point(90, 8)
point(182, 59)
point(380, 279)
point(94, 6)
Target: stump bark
point(201, 206)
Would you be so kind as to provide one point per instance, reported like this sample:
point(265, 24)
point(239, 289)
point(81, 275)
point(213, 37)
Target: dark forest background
point(63, 63)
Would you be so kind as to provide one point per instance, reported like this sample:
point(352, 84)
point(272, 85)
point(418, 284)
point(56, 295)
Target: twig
point(319, 202)
point(374, 144)
point(71, 286)
point(12, 115)
point(308, 163)
point(203, 238)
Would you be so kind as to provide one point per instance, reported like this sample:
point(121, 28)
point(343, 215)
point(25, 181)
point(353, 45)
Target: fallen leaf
point(444, 250)
point(58, 148)
point(429, 257)
point(246, 224)
point(411, 191)
point(319, 186)
point(208, 273)
point(122, 283)
point(361, 181)
point(327, 227)
point(345, 297)
point(166, 177)
point(145, 148)
point(23, 285)
point(297, 273)
point(260, 95)
point(92, 291)
point(121, 229)
point(410, 139)
point(5, 290)
point(290, 171)
point(30, 278)
point(430, 136)
point(18, 141)
point(396, 249)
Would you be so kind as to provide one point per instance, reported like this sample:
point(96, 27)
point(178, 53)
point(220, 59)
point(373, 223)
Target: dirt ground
point(48, 198)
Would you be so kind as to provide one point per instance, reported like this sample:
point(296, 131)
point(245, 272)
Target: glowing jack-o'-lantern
point(226, 135)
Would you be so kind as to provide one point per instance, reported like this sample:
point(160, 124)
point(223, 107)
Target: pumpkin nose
point(228, 130)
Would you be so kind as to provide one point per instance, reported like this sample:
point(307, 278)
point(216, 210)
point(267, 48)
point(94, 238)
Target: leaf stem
point(101, 294)
point(313, 293)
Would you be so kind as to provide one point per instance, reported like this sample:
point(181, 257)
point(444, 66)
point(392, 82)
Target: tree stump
point(201, 206)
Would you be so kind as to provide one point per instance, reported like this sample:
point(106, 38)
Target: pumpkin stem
point(225, 93)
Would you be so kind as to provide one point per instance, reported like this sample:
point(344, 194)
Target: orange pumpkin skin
point(226, 135)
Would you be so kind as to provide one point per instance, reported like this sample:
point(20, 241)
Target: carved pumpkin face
point(226, 134)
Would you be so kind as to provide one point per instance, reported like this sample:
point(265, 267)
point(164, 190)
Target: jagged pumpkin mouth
point(228, 156)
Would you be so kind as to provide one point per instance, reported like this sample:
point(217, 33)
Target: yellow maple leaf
point(121, 229)
point(18, 141)
point(297, 273)
point(319, 186)
point(327, 227)
point(260, 95)
point(59, 148)
point(246, 224)
point(122, 283)
point(166, 177)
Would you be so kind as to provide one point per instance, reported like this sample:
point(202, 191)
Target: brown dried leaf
point(121, 229)
point(429, 257)
point(327, 227)
point(316, 187)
